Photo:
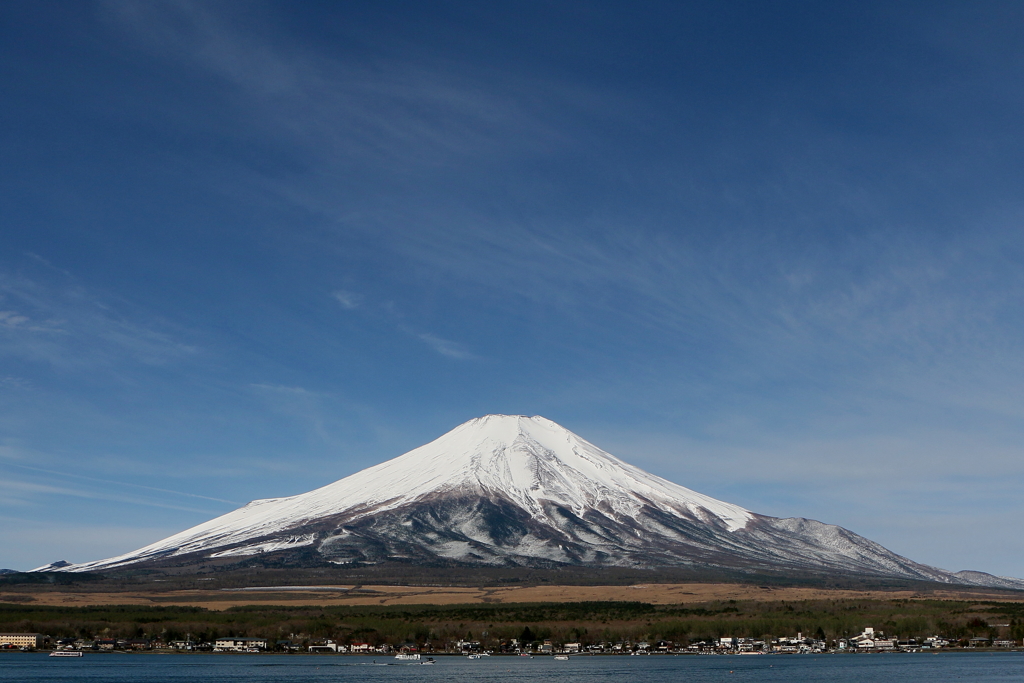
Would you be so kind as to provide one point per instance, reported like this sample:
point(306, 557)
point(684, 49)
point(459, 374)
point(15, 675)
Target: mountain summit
point(510, 490)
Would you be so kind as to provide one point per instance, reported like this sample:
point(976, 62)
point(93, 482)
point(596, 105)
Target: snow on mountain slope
point(531, 460)
point(515, 490)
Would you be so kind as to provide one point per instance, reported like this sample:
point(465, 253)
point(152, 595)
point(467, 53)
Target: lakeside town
point(868, 641)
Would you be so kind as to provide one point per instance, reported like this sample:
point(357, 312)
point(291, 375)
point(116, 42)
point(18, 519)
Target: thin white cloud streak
point(296, 391)
point(441, 346)
point(308, 408)
point(445, 347)
point(66, 326)
point(348, 300)
point(119, 483)
point(14, 487)
point(11, 319)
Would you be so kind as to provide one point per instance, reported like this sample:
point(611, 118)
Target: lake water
point(976, 667)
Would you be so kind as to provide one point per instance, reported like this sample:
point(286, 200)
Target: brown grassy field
point(340, 595)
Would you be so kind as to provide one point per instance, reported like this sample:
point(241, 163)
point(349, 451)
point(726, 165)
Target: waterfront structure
point(239, 644)
point(20, 640)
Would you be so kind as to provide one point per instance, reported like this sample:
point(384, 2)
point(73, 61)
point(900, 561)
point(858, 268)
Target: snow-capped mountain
point(513, 490)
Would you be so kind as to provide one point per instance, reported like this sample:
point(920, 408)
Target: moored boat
point(66, 653)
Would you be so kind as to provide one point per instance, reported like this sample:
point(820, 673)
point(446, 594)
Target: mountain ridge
point(523, 491)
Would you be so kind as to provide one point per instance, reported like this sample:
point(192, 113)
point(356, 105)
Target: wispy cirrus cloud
point(30, 492)
point(12, 319)
point(445, 347)
point(396, 113)
point(82, 477)
point(348, 300)
point(14, 383)
point(53, 318)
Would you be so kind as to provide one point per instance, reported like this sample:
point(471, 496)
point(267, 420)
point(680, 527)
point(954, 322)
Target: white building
point(239, 644)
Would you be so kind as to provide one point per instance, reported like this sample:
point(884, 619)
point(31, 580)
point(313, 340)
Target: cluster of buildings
point(869, 640)
point(725, 645)
point(359, 648)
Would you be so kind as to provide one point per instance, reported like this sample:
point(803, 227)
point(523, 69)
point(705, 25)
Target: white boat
point(65, 653)
point(562, 658)
point(473, 656)
point(408, 656)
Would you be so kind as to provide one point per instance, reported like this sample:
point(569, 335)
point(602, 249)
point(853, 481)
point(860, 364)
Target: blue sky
point(770, 251)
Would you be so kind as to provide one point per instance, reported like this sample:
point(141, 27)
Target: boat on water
point(66, 653)
point(473, 656)
point(414, 656)
point(428, 660)
point(562, 658)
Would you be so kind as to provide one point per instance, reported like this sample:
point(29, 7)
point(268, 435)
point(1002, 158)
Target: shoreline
point(165, 652)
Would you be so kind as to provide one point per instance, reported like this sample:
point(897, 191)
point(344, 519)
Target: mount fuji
point(507, 490)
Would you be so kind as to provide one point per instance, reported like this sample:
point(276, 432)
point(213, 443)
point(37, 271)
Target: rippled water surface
point(151, 668)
